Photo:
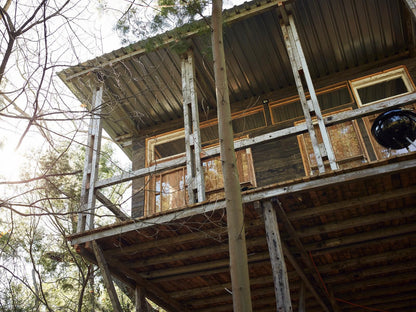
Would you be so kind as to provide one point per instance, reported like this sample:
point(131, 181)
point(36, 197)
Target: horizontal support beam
point(351, 203)
point(255, 195)
point(245, 143)
point(382, 216)
point(390, 234)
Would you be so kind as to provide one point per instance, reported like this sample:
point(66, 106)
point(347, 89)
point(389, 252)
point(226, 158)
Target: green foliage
point(40, 270)
point(176, 16)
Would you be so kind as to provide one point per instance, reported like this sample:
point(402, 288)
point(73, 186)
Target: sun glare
point(10, 162)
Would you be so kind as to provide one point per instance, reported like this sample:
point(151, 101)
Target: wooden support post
point(108, 282)
point(194, 169)
point(140, 300)
point(302, 297)
point(281, 282)
point(310, 107)
point(92, 158)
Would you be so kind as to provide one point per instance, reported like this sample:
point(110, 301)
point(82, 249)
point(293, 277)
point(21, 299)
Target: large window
point(168, 190)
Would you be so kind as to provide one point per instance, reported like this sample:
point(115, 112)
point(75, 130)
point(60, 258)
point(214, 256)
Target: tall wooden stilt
point(281, 282)
point(92, 158)
point(108, 282)
point(310, 107)
point(140, 300)
point(302, 297)
point(194, 169)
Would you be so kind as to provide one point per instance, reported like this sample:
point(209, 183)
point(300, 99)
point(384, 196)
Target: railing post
point(92, 158)
point(194, 169)
point(310, 107)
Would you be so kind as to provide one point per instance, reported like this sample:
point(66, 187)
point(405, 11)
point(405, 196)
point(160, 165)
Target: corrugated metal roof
point(143, 89)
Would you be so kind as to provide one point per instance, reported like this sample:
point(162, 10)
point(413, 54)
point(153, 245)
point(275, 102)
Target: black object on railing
point(395, 129)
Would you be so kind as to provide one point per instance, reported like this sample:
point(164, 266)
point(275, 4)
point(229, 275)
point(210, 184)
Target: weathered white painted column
point(194, 169)
point(280, 279)
point(310, 107)
point(92, 158)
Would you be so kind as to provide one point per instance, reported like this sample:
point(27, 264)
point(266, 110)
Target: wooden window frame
point(303, 149)
point(386, 75)
point(376, 78)
point(212, 194)
point(295, 98)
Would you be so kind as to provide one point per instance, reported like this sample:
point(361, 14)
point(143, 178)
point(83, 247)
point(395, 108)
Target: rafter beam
point(351, 203)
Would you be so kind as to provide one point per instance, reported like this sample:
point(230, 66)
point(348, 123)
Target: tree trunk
point(235, 218)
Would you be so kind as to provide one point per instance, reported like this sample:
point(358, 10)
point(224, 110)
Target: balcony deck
point(349, 236)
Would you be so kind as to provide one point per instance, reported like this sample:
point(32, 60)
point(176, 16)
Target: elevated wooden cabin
point(306, 80)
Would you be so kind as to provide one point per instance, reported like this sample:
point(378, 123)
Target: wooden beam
point(295, 41)
point(379, 282)
point(218, 234)
point(277, 260)
point(190, 293)
point(92, 159)
point(304, 278)
point(153, 292)
point(189, 254)
point(301, 307)
point(386, 235)
point(140, 300)
point(105, 272)
point(351, 203)
point(361, 275)
point(382, 216)
point(294, 58)
point(351, 264)
point(302, 252)
point(112, 207)
point(194, 169)
point(256, 195)
point(197, 268)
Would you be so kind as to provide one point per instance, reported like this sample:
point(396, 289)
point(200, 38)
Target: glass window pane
point(334, 98)
point(249, 122)
point(174, 147)
point(382, 90)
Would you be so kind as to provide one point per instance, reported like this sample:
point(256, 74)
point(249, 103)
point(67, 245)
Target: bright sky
point(93, 37)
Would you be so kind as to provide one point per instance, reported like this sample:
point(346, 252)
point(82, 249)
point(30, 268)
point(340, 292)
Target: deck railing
point(89, 207)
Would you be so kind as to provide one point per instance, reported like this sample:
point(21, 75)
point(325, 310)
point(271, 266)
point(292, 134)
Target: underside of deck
point(349, 239)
